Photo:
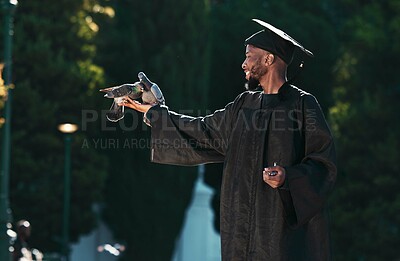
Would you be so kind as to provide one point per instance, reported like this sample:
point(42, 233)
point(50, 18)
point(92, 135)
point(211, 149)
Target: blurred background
point(97, 183)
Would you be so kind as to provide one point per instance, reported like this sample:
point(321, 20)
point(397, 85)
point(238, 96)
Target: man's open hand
point(133, 104)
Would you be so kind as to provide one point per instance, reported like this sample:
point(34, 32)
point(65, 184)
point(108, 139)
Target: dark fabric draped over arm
point(184, 140)
point(311, 181)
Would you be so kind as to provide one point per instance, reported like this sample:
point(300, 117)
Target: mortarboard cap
point(275, 41)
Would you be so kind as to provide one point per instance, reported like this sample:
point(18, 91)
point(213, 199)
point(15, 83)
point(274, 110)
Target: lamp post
point(8, 8)
point(67, 129)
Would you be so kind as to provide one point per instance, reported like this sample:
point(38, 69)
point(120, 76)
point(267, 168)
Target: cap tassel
point(299, 70)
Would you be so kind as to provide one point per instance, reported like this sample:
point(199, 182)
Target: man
point(278, 154)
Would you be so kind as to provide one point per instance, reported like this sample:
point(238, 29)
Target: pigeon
point(119, 93)
point(151, 93)
point(148, 91)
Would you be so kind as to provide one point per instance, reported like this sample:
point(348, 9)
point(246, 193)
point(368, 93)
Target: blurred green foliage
point(64, 51)
point(366, 205)
point(53, 73)
point(145, 203)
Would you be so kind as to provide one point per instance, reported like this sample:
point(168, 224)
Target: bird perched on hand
point(119, 93)
point(148, 91)
point(151, 92)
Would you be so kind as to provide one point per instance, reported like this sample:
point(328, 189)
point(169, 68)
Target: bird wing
point(143, 79)
point(118, 91)
point(150, 86)
point(115, 113)
point(156, 91)
point(122, 90)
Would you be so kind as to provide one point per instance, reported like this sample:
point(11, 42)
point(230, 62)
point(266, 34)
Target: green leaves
point(64, 51)
point(168, 40)
point(53, 72)
point(364, 119)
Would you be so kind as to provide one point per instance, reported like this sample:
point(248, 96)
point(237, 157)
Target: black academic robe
point(259, 222)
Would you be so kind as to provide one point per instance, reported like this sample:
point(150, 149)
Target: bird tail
point(108, 92)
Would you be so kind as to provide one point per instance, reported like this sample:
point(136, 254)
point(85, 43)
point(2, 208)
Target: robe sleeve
point(311, 180)
point(184, 140)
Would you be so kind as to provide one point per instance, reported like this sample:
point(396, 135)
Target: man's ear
point(269, 59)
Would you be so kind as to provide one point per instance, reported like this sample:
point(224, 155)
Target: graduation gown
point(259, 222)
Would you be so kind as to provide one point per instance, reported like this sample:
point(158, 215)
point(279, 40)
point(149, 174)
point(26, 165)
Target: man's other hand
point(274, 176)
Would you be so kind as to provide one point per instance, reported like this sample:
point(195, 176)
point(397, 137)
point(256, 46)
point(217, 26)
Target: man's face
point(254, 66)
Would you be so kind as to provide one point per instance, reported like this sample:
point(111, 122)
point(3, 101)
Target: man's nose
point(244, 65)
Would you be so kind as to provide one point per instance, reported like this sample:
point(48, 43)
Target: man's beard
point(252, 84)
point(256, 72)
